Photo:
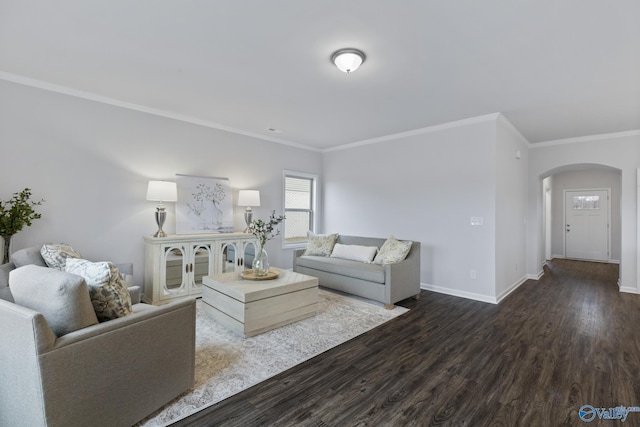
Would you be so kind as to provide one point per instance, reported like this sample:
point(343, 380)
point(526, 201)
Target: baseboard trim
point(629, 290)
point(536, 276)
point(512, 288)
point(459, 293)
point(610, 261)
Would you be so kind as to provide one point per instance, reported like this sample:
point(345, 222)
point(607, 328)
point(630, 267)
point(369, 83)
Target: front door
point(587, 225)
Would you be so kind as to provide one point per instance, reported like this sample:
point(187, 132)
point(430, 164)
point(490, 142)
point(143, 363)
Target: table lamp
point(161, 191)
point(248, 198)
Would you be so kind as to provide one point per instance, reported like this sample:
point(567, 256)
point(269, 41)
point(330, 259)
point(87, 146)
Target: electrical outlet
point(473, 274)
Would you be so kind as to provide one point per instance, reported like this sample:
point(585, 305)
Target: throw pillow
point(320, 244)
point(354, 252)
point(55, 255)
point(393, 251)
point(109, 295)
point(28, 256)
point(62, 298)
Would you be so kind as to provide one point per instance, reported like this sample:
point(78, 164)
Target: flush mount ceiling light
point(348, 60)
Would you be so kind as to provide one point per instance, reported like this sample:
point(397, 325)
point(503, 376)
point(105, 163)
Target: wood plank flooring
point(553, 345)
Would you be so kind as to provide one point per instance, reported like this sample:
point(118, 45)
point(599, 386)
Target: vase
point(7, 246)
point(260, 262)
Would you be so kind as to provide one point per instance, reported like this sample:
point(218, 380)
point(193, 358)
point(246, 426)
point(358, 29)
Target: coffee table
point(251, 307)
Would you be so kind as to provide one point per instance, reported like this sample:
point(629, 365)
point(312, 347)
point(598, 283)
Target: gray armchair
point(113, 373)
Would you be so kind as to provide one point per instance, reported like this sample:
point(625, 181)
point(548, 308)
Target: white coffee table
point(251, 307)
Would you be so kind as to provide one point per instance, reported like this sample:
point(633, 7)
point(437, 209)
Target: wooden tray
point(249, 275)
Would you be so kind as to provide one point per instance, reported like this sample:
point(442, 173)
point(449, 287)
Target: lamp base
point(161, 216)
point(248, 216)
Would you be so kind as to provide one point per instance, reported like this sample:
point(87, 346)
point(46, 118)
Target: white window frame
point(314, 204)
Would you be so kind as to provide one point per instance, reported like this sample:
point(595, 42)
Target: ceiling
point(555, 69)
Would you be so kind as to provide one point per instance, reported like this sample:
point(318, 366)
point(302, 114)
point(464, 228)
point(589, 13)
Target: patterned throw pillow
point(55, 255)
point(393, 251)
point(109, 295)
point(320, 244)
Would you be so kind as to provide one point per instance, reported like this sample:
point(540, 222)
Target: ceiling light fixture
point(348, 60)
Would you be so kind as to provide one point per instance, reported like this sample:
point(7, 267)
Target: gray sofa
point(388, 283)
point(113, 373)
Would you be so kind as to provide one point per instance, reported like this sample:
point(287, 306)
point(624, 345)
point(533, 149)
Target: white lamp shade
point(348, 60)
point(248, 198)
point(162, 191)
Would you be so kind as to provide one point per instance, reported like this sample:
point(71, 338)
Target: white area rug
point(226, 363)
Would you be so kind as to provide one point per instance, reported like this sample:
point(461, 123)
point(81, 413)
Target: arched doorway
point(555, 184)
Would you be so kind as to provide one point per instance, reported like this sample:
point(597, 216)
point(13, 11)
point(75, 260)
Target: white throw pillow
point(320, 244)
point(109, 296)
point(393, 251)
point(354, 252)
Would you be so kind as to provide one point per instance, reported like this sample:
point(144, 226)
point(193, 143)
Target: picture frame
point(204, 205)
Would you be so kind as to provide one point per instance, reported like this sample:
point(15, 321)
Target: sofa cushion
point(5, 269)
point(393, 251)
point(355, 269)
point(62, 298)
point(55, 255)
point(28, 256)
point(109, 295)
point(320, 244)
point(354, 252)
point(5, 293)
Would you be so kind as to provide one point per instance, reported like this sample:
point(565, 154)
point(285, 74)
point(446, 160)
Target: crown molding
point(64, 90)
point(588, 138)
point(507, 123)
point(429, 129)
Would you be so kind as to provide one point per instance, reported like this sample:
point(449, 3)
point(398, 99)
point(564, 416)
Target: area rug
point(226, 363)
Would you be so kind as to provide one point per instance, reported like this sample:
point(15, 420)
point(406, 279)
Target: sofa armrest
point(403, 278)
point(113, 326)
point(134, 293)
point(297, 253)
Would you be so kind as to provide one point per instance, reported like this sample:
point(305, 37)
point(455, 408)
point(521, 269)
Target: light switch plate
point(477, 220)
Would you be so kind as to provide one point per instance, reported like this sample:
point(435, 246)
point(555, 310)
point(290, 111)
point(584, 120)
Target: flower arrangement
point(265, 231)
point(14, 215)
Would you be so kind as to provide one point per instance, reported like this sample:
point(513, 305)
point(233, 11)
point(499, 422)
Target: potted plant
point(14, 215)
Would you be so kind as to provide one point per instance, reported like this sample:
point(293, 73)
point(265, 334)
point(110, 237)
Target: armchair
point(113, 373)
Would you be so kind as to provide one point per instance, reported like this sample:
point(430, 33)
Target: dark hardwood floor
point(550, 347)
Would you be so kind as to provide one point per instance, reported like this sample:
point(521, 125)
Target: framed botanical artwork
point(204, 205)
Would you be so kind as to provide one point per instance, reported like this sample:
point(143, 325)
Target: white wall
point(621, 151)
point(91, 163)
point(511, 207)
point(423, 187)
point(585, 179)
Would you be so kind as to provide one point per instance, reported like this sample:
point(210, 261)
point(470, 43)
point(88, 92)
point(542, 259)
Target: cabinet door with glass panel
point(182, 267)
point(237, 255)
point(176, 265)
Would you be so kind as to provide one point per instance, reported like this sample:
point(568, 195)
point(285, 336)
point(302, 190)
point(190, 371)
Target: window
point(586, 202)
point(299, 207)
